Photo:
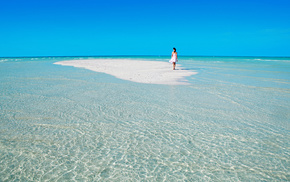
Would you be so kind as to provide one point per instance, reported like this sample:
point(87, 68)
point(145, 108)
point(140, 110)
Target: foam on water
point(63, 124)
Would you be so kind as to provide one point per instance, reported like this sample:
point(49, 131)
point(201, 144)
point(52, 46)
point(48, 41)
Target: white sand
point(153, 72)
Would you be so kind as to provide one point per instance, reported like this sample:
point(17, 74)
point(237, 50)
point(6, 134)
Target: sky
point(137, 27)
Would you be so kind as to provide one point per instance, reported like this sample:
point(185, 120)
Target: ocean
point(61, 123)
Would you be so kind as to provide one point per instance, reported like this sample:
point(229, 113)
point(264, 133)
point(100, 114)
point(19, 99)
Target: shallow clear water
point(62, 123)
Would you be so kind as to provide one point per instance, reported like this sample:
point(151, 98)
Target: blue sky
point(111, 27)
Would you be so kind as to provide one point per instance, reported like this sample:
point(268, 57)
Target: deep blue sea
point(60, 123)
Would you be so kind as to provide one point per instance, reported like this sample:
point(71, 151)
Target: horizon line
point(138, 55)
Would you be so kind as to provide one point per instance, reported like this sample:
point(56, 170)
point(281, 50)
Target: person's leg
point(173, 65)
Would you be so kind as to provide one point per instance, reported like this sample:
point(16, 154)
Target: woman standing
point(173, 59)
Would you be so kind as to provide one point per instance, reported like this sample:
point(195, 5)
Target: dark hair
point(174, 49)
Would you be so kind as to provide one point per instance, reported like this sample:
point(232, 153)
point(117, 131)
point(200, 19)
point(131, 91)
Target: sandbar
point(150, 72)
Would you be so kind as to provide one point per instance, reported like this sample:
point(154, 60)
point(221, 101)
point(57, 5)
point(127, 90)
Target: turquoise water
point(61, 123)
